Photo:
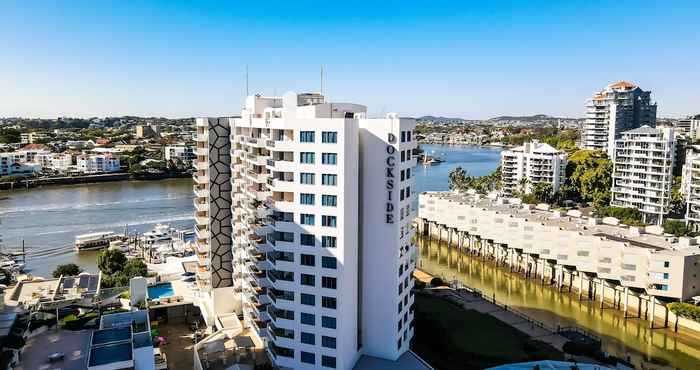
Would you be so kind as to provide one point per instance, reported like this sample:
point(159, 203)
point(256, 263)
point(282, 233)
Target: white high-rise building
point(619, 107)
point(529, 164)
point(322, 253)
point(643, 171)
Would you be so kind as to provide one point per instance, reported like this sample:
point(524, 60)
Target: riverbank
point(628, 338)
point(87, 179)
point(484, 145)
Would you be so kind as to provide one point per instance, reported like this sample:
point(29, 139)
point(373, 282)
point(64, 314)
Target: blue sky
point(473, 59)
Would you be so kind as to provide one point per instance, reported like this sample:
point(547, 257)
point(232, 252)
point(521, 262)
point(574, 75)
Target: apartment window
point(408, 155)
point(307, 279)
point(329, 262)
point(329, 282)
point(403, 136)
point(308, 358)
point(403, 156)
point(308, 260)
point(329, 137)
point(401, 194)
point(328, 241)
point(329, 302)
point(328, 342)
point(307, 219)
point(329, 200)
point(307, 199)
point(328, 221)
point(327, 179)
point(308, 240)
point(408, 136)
point(328, 361)
point(408, 173)
point(308, 299)
point(307, 178)
point(667, 264)
point(400, 306)
point(328, 322)
point(306, 136)
point(307, 157)
point(308, 338)
point(403, 175)
point(329, 158)
point(308, 318)
point(408, 191)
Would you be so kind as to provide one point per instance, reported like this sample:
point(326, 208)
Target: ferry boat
point(160, 234)
point(95, 241)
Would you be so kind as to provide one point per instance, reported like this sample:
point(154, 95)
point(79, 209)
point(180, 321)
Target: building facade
point(637, 259)
point(643, 171)
point(182, 152)
point(322, 253)
point(619, 107)
point(97, 163)
point(530, 164)
point(213, 223)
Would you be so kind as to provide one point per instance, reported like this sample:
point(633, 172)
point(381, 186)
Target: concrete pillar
point(602, 293)
point(580, 286)
point(653, 312)
point(627, 294)
point(666, 316)
point(639, 306)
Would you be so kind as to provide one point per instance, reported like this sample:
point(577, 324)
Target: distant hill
point(439, 118)
point(536, 117)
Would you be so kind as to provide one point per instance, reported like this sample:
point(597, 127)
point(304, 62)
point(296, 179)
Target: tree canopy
point(460, 180)
point(117, 270)
point(68, 269)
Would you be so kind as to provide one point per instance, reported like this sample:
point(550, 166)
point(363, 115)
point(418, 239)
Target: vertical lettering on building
point(390, 164)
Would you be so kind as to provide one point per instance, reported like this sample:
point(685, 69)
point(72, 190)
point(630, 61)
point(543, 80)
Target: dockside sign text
point(390, 163)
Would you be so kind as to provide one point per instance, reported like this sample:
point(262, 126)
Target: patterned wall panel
point(220, 203)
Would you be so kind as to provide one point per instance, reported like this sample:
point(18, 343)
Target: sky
point(470, 59)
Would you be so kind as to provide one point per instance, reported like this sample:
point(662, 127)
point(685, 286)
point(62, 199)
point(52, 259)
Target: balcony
point(201, 219)
point(200, 206)
point(201, 232)
point(200, 193)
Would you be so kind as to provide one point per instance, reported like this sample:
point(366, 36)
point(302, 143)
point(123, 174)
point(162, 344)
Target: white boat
point(160, 234)
point(95, 241)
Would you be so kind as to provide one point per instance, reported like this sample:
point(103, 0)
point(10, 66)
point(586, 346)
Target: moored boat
point(95, 241)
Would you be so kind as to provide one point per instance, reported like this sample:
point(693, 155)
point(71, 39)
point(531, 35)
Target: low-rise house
point(532, 163)
point(185, 153)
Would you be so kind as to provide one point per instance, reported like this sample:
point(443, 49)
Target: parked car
point(56, 356)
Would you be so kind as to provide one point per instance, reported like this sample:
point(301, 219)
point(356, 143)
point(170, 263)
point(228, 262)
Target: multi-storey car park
point(603, 258)
point(321, 227)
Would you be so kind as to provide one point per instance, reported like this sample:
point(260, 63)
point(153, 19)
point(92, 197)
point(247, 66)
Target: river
point(48, 219)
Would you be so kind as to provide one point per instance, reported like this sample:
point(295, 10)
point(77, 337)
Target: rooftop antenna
point(246, 80)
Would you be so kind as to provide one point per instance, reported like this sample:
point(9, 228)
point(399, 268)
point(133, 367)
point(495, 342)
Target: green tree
point(111, 261)
point(68, 269)
point(543, 192)
point(459, 179)
point(9, 135)
point(675, 227)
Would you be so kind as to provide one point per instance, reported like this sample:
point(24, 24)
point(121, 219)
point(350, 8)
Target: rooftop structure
point(619, 107)
point(530, 164)
point(643, 171)
point(122, 342)
point(60, 292)
point(643, 259)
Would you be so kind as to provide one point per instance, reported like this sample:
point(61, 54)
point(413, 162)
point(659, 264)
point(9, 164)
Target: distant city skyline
point(472, 60)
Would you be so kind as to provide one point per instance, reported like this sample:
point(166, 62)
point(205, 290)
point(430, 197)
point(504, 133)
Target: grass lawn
point(450, 337)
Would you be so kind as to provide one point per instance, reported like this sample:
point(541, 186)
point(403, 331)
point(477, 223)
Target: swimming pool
point(162, 290)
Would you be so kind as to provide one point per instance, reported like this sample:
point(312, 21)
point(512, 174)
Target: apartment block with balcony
point(213, 228)
point(619, 107)
point(643, 171)
point(641, 259)
point(529, 164)
point(321, 231)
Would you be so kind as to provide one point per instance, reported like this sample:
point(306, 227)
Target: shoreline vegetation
point(33, 182)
